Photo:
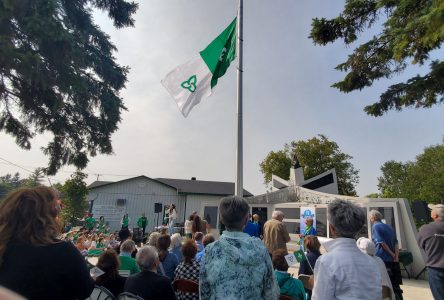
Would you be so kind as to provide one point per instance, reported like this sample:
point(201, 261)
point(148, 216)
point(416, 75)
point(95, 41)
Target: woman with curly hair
point(188, 269)
point(33, 261)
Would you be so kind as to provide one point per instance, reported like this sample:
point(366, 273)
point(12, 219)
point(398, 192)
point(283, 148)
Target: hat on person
point(433, 206)
point(366, 246)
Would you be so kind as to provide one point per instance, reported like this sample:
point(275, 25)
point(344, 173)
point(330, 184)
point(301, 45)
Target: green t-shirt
point(128, 263)
point(90, 222)
point(142, 222)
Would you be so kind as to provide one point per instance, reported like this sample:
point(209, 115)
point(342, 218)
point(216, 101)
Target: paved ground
point(413, 289)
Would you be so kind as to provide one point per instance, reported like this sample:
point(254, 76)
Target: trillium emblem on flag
point(208, 66)
point(190, 84)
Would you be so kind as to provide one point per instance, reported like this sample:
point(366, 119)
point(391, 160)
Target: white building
point(139, 194)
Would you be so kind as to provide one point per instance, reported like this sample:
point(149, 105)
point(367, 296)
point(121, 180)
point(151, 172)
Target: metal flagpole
point(239, 154)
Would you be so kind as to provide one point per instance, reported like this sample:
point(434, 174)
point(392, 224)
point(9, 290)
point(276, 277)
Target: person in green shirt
point(90, 222)
point(126, 261)
point(142, 222)
point(101, 225)
point(288, 285)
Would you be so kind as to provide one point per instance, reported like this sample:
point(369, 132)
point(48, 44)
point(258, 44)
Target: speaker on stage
point(157, 207)
point(421, 211)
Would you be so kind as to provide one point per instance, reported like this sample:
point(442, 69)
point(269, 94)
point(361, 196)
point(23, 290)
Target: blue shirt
point(384, 233)
point(252, 229)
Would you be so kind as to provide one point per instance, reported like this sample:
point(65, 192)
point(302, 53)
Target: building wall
point(140, 193)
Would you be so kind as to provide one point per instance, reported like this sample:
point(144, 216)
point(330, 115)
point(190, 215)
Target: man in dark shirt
point(431, 240)
point(148, 284)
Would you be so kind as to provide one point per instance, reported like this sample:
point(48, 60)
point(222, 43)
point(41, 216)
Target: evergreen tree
point(411, 30)
point(58, 75)
point(74, 193)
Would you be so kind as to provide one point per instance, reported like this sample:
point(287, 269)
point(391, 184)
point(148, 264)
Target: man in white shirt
point(344, 272)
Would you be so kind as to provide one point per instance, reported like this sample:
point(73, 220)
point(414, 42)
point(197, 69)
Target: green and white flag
point(194, 80)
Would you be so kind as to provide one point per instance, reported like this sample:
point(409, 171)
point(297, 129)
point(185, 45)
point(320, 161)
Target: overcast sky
point(287, 96)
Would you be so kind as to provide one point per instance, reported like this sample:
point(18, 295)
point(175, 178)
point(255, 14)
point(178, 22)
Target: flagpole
point(239, 154)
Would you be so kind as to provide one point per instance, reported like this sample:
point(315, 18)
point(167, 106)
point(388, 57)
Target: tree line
point(420, 179)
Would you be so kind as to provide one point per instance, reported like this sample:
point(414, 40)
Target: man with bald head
point(275, 234)
point(431, 240)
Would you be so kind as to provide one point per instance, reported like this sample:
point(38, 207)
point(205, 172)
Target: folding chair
point(185, 286)
point(128, 296)
point(124, 273)
point(100, 293)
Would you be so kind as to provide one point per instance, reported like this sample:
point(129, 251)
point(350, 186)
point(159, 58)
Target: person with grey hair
point(275, 234)
point(126, 261)
point(431, 239)
point(237, 266)
point(368, 247)
point(387, 249)
point(148, 284)
point(344, 272)
point(176, 246)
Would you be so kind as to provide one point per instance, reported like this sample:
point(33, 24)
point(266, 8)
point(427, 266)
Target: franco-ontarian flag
point(192, 81)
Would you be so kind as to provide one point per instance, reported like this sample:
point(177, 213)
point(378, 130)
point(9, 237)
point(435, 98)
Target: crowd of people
point(248, 261)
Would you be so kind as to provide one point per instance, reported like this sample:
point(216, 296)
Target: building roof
point(186, 186)
point(98, 183)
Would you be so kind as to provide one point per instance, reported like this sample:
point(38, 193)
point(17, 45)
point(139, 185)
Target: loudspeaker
point(421, 211)
point(157, 208)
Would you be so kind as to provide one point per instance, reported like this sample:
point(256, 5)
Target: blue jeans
point(436, 281)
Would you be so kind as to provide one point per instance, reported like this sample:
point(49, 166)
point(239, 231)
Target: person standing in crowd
point(111, 280)
point(142, 222)
point(260, 225)
point(176, 246)
point(126, 261)
point(33, 261)
point(152, 240)
point(188, 226)
point(125, 221)
point(188, 269)
point(168, 260)
point(368, 247)
point(148, 284)
point(312, 246)
point(288, 285)
point(197, 224)
point(275, 234)
point(387, 249)
point(172, 216)
point(236, 266)
point(344, 272)
point(207, 239)
point(431, 240)
point(198, 236)
point(90, 222)
point(101, 227)
point(251, 228)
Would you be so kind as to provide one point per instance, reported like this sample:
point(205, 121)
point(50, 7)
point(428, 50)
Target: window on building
point(210, 215)
point(321, 221)
point(293, 227)
point(291, 212)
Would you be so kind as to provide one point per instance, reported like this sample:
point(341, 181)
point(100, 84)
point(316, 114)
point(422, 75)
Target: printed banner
point(307, 212)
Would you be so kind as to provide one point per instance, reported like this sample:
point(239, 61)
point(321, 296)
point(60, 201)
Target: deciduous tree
point(316, 156)
point(74, 193)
